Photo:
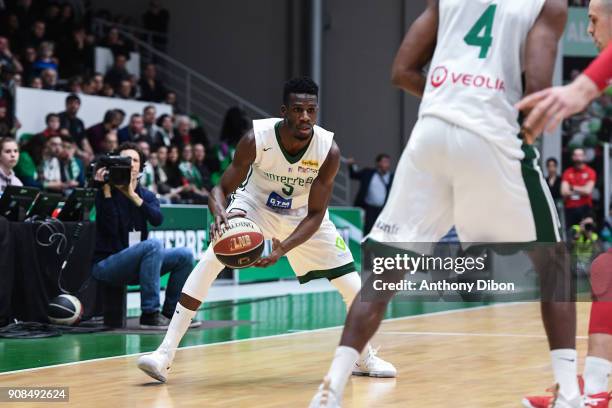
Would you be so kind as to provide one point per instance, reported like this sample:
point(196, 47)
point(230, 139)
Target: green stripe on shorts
point(328, 273)
point(542, 207)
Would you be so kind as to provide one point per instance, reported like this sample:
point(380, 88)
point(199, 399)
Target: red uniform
point(600, 70)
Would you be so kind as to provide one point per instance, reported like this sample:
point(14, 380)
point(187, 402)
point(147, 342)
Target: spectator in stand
point(165, 131)
point(125, 90)
point(120, 210)
point(76, 54)
point(172, 167)
point(29, 58)
point(18, 80)
point(36, 35)
point(194, 191)
point(147, 178)
point(9, 27)
point(51, 174)
point(49, 79)
point(6, 124)
point(52, 21)
point(135, 87)
point(75, 85)
point(88, 87)
point(199, 161)
point(151, 88)
point(25, 12)
point(148, 115)
point(30, 160)
point(235, 124)
point(577, 189)
point(67, 21)
point(6, 56)
point(133, 131)
point(161, 179)
point(36, 83)
point(118, 71)
point(110, 142)
point(553, 179)
point(156, 19)
point(72, 126)
point(46, 59)
point(72, 169)
point(183, 131)
point(374, 187)
point(121, 118)
point(107, 90)
point(115, 43)
point(171, 100)
point(9, 156)
point(98, 80)
point(145, 147)
point(97, 133)
point(52, 121)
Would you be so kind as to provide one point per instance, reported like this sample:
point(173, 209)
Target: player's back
point(475, 74)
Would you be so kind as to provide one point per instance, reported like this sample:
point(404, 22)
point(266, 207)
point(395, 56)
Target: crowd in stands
point(49, 45)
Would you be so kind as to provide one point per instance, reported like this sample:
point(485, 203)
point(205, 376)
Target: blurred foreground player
point(281, 178)
point(464, 164)
point(550, 106)
point(559, 103)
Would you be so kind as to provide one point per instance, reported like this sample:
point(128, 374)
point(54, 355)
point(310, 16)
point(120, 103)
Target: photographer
point(123, 254)
point(585, 243)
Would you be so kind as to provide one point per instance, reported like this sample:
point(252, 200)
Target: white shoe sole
point(375, 374)
point(150, 368)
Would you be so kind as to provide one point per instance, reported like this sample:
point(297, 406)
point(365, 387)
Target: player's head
point(300, 106)
point(600, 22)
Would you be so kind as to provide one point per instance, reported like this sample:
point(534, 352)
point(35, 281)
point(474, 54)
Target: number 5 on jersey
point(476, 37)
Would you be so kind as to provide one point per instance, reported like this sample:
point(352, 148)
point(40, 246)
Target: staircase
point(200, 95)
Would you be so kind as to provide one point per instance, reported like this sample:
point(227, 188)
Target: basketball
point(239, 244)
point(65, 310)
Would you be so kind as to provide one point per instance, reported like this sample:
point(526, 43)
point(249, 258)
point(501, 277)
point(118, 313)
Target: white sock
point(341, 368)
point(564, 365)
point(176, 330)
point(596, 373)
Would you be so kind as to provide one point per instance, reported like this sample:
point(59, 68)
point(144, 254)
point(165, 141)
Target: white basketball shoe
point(325, 396)
point(373, 366)
point(156, 364)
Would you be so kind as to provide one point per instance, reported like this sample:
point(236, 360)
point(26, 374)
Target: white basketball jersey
point(474, 78)
point(278, 180)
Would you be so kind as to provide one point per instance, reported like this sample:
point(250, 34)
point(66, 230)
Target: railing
point(200, 95)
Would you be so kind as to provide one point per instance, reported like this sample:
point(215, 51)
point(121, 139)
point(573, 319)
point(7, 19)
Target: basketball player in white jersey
point(464, 164)
point(281, 178)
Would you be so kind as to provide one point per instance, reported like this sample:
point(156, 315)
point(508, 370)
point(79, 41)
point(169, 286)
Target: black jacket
point(365, 177)
point(117, 216)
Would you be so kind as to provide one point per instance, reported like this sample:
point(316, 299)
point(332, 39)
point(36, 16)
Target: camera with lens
point(119, 170)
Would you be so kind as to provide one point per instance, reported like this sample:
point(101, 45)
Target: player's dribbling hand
point(275, 255)
point(220, 219)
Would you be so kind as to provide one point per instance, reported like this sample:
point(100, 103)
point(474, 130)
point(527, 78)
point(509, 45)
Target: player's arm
point(235, 174)
point(318, 199)
point(416, 51)
point(541, 50)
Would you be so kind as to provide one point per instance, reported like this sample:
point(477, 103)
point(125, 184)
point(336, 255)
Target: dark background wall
point(249, 48)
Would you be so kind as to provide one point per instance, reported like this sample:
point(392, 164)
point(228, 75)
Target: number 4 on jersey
point(475, 36)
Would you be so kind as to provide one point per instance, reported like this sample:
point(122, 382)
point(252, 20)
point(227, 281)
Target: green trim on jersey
point(541, 207)
point(328, 273)
point(292, 159)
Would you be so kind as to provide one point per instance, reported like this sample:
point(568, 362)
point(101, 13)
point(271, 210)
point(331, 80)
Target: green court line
point(272, 316)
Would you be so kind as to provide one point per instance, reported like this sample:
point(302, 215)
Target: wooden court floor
point(482, 357)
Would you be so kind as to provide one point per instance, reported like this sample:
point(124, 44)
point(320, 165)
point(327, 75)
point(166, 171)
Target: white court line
point(458, 334)
point(444, 312)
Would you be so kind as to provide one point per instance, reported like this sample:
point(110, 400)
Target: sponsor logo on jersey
point(386, 227)
point(310, 163)
point(441, 75)
point(277, 202)
point(340, 244)
point(292, 181)
point(307, 170)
